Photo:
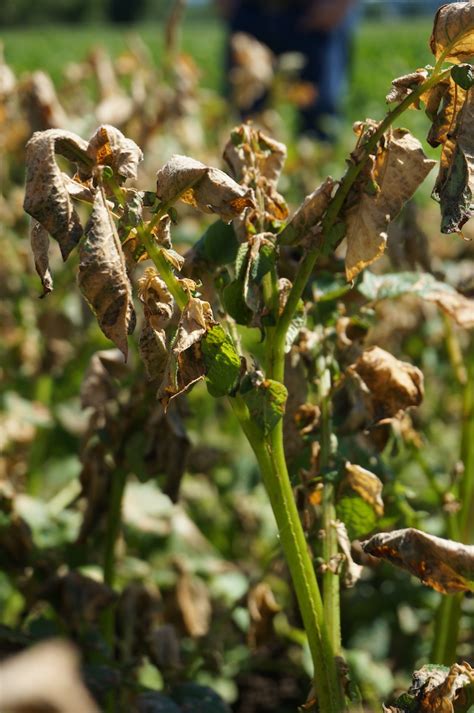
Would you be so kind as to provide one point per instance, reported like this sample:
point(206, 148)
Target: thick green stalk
point(272, 463)
point(448, 616)
point(331, 593)
point(466, 489)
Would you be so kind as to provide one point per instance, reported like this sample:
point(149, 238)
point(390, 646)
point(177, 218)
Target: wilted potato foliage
point(270, 310)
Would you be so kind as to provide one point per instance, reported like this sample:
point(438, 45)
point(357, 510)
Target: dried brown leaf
point(262, 608)
point(253, 70)
point(367, 485)
point(444, 565)
point(194, 605)
point(398, 170)
point(103, 276)
point(46, 675)
point(454, 186)
point(196, 319)
point(100, 380)
point(352, 571)
point(109, 147)
point(153, 352)
point(39, 239)
point(403, 86)
point(390, 386)
point(460, 308)
point(47, 197)
point(158, 303)
point(439, 690)
point(250, 148)
point(209, 189)
point(453, 32)
point(308, 215)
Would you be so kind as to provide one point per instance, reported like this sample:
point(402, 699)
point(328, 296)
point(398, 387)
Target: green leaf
point(463, 75)
point(263, 263)
point(241, 261)
point(219, 244)
point(296, 324)
point(357, 515)
point(327, 287)
point(194, 698)
point(221, 360)
point(266, 400)
point(396, 284)
point(234, 303)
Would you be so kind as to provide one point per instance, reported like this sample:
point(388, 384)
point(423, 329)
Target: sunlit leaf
point(444, 565)
point(109, 147)
point(307, 217)
point(365, 484)
point(221, 360)
point(398, 169)
point(453, 32)
point(265, 399)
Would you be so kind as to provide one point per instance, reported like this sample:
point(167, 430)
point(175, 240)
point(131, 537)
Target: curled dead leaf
point(157, 300)
point(103, 276)
point(308, 215)
point(47, 197)
point(209, 189)
point(39, 240)
point(453, 32)
point(153, 351)
point(251, 147)
point(389, 386)
point(262, 608)
point(352, 570)
point(444, 565)
point(253, 70)
point(403, 86)
point(109, 147)
point(398, 168)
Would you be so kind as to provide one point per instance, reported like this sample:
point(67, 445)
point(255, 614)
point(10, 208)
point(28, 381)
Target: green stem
point(155, 253)
point(448, 616)
point(331, 594)
point(466, 489)
point(271, 459)
point(114, 521)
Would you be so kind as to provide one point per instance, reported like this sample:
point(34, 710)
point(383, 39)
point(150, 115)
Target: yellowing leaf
point(453, 32)
point(444, 565)
point(39, 240)
point(109, 147)
point(398, 170)
point(367, 485)
point(209, 189)
point(103, 276)
point(47, 197)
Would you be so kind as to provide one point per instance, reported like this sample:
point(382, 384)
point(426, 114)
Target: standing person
point(321, 30)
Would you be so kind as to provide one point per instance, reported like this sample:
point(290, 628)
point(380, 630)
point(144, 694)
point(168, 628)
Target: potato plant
point(311, 385)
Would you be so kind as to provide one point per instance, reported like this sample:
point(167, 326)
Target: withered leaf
point(192, 599)
point(262, 608)
point(253, 69)
point(249, 147)
point(153, 351)
point(453, 32)
point(209, 189)
point(39, 239)
point(403, 86)
point(352, 571)
point(390, 386)
point(367, 485)
point(103, 276)
point(308, 215)
point(99, 383)
point(109, 147)
point(45, 676)
point(158, 303)
point(47, 197)
point(196, 319)
point(455, 183)
point(444, 565)
point(398, 170)
point(439, 690)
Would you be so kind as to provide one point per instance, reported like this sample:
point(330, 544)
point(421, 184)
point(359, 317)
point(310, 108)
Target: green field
point(381, 53)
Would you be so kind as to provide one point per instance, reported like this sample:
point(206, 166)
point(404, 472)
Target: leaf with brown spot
point(109, 147)
point(39, 240)
point(157, 300)
point(365, 484)
point(196, 319)
point(47, 197)
point(103, 276)
point(308, 216)
point(444, 565)
point(390, 386)
point(209, 189)
point(453, 32)
point(153, 352)
point(249, 147)
point(399, 168)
